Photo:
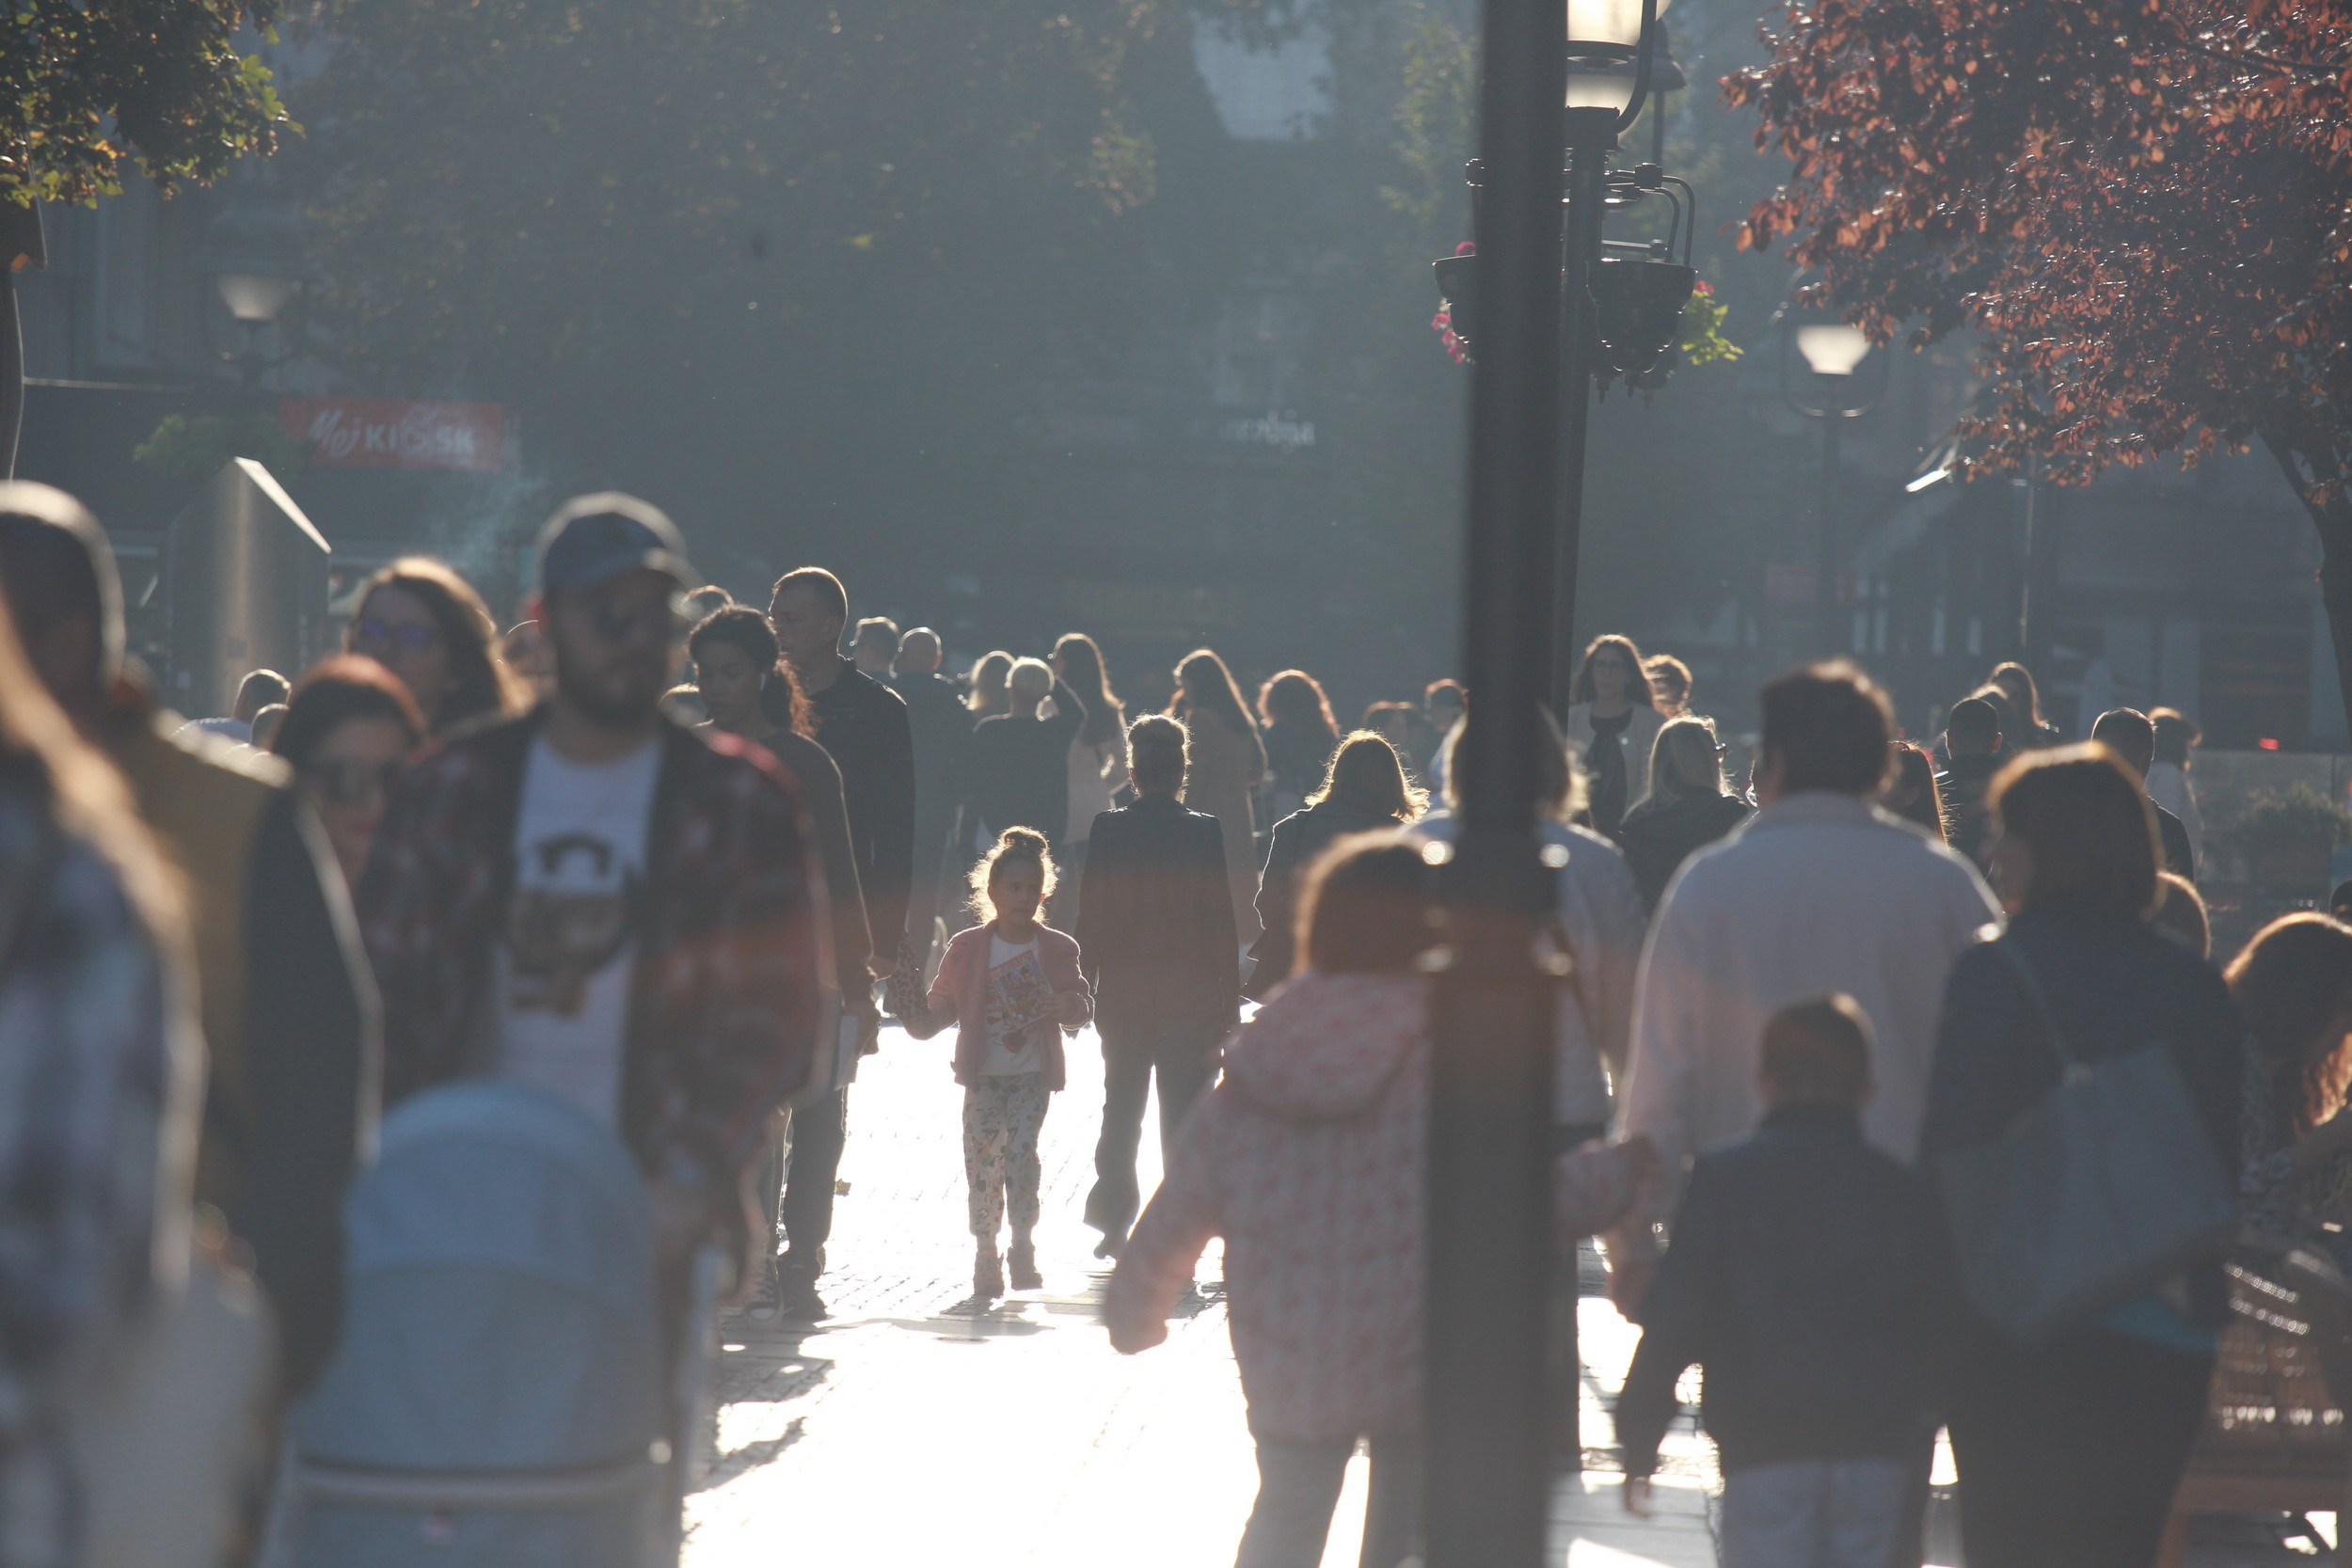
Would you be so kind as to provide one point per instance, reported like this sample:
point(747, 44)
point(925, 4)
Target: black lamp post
point(1623, 301)
point(1489, 1200)
point(1611, 50)
point(1834, 352)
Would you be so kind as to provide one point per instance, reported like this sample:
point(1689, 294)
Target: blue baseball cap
point(593, 539)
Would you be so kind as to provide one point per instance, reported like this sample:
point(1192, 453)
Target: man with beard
point(595, 901)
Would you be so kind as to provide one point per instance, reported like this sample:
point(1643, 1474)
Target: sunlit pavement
point(905, 1434)
point(902, 1432)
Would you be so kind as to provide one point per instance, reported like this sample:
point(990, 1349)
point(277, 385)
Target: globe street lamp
point(252, 252)
point(1835, 354)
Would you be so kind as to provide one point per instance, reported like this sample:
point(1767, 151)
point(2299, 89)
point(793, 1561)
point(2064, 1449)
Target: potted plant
point(2287, 838)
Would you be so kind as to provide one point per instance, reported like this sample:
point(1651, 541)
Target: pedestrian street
point(903, 1432)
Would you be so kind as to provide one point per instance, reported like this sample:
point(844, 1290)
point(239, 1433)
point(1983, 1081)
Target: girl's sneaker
point(1023, 1264)
point(988, 1278)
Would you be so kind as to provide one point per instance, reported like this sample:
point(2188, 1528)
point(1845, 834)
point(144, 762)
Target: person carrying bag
point(2106, 1189)
point(2082, 1121)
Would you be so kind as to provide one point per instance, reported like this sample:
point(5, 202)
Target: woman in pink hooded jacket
point(1309, 1158)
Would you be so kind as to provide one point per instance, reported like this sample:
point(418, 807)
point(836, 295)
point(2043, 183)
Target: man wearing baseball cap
point(595, 901)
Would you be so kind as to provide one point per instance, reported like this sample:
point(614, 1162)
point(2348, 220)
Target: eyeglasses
point(369, 632)
point(350, 783)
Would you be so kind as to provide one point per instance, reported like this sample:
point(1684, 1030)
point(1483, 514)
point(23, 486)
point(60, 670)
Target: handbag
point(167, 1427)
point(2095, 1195)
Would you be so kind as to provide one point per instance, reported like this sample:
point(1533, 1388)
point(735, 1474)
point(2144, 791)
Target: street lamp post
point(1834, 352)
point(1490, 1252)
point(1488, 1249)
point(1610, 47)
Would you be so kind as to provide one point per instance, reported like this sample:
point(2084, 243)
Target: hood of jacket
point(1326, 1047)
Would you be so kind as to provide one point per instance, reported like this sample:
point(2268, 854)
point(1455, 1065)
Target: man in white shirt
point(1821, 892)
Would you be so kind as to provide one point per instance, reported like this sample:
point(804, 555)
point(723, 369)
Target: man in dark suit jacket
point(2130, 733)
point(1157, 938)
point(942, 726)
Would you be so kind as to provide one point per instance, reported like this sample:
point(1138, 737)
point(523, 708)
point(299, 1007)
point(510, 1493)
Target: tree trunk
point(2326, 491)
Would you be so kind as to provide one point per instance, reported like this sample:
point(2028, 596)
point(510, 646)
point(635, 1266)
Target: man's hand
point(1635, 1495)
point(1071, 1008)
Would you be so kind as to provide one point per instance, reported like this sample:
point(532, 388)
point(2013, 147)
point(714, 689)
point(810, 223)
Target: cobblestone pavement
point(904, 1432)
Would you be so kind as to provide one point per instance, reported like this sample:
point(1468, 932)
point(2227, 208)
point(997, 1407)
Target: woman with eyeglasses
point(349, 729)
point(421, 621)
point(1687, 809)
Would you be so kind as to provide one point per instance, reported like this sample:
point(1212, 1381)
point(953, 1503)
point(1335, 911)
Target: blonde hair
point(1365, 773)
point(1684, 761)
point(1021, 846)
point(1031, 678)
point(988, 682)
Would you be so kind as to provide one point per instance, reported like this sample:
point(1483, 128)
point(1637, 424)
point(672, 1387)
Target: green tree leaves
point(89, 85)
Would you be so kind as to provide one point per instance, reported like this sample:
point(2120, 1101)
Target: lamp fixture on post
point(1835, 354)
point(1612, 49)
point(254, 298)
point(252, 252)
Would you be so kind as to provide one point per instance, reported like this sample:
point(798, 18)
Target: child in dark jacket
point(1809, 1277)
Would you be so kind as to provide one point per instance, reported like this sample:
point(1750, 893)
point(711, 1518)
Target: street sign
point(398, 433)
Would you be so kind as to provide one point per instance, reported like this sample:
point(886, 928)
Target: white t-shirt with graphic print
point(573, 923)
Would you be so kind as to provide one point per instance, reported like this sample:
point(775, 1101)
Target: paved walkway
point(905, 1433)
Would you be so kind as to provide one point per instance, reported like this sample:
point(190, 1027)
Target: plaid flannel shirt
point(731, 958)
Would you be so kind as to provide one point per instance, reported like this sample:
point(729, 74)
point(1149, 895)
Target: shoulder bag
point(2098, 1193)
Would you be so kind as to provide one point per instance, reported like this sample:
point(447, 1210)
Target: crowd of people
point(1806, 1009)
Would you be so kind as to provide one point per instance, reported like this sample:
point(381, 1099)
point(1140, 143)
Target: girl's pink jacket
point(1309, 1158)
point(962, 979)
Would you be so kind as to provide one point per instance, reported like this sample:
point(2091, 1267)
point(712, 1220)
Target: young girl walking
point(1011, 986)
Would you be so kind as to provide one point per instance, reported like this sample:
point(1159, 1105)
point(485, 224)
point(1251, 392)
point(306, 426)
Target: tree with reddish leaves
point(2143, 207)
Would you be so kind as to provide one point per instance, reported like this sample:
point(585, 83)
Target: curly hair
point(746, 630)
point(2294, 988)
point(1014, 846)
point(481, 682)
